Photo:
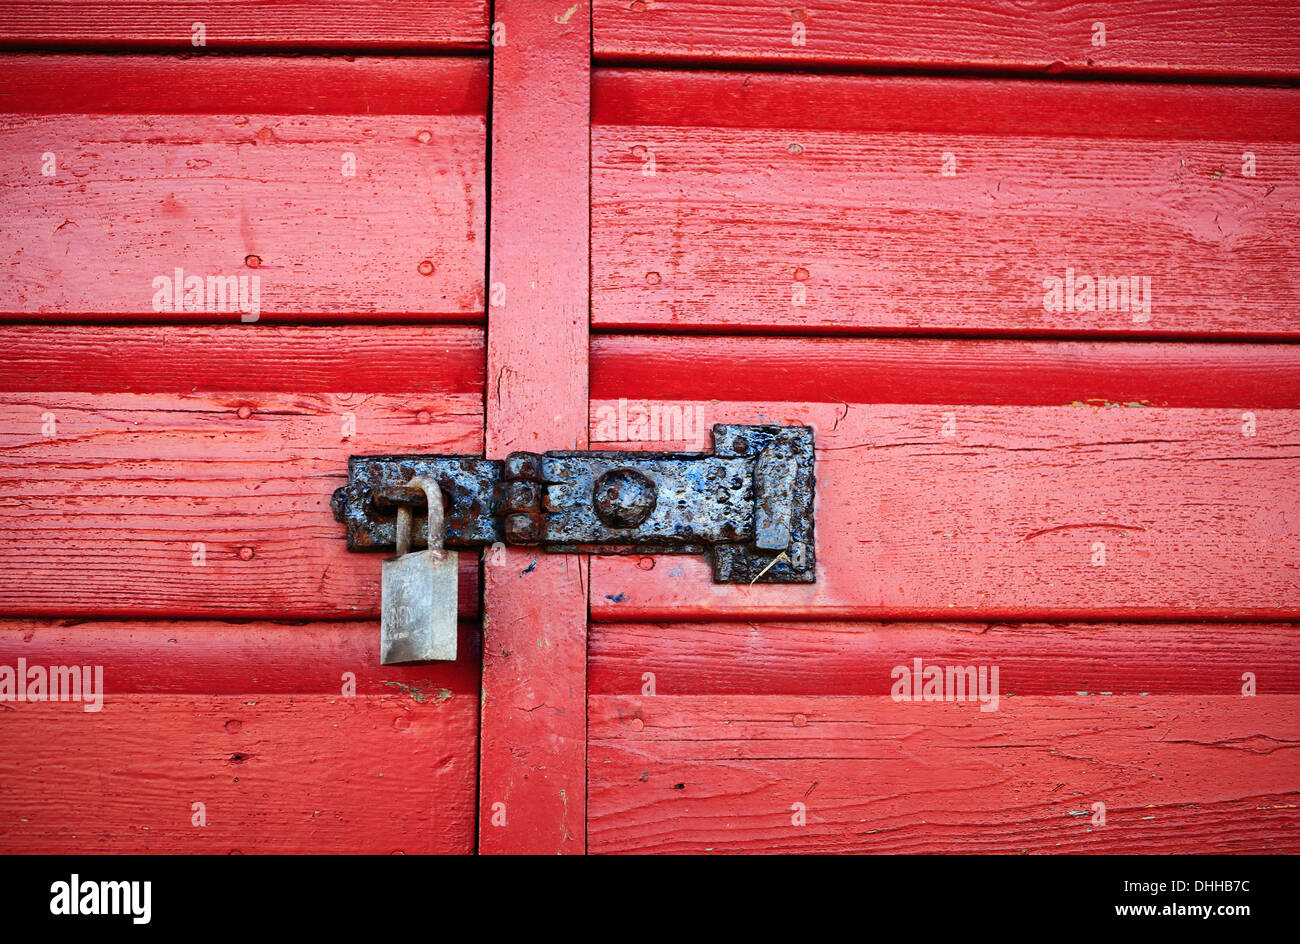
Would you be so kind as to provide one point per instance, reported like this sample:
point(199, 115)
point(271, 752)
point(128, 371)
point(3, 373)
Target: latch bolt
point(749, 504)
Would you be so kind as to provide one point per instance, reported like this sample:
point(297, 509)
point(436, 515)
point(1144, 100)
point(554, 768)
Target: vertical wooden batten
point(534, 730)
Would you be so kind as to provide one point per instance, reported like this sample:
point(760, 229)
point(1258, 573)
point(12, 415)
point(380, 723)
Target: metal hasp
point(749, 504)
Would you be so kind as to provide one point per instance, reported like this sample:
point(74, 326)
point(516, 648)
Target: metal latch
point(749, 504)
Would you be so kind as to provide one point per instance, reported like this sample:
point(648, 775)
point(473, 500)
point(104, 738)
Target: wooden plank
point(203, 487)
point(276, 774)
point(532, 792)
point(293, 737)
point(242, 85)
point(207, 657)
point(219, 182)
point(928, 105)
point(833, 658)
point(446, 361)
point(1152, 37)
point(679, 369)
point(967, 512)
point(721, 773)
point(236, 24)
point(840, 218)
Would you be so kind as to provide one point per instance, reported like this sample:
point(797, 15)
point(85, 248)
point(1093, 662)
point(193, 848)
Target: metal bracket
point(749, 503)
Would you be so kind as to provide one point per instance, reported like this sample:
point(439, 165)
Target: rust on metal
point(749, 503)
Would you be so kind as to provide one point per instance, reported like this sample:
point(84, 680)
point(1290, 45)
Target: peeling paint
point(420, 695)
point(1109, 403)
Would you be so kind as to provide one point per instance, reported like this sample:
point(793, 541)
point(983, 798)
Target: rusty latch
point(749, 503)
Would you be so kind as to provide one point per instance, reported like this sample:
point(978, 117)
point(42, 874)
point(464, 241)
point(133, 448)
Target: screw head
point(624, 498)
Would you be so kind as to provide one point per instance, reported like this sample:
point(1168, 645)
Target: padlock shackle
point(406, 520)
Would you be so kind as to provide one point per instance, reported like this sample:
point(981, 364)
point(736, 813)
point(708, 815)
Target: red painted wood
point(865, 104)
point(532, 791)
point(838, 218)
point(241, 85)
point(169, 473)
point(832, 658)
point(250, 184)
point(1001, 520)
point(720, 773)
point(204, 657)
point(677, 369)
point(758, 176)
point(279, 24)
point(211, 359)
point(220, 433)
point(1181, 39)
point(254, 720)
point(276, 774)
point(108, 491)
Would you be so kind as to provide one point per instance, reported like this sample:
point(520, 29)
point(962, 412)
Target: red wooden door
point(1023, 478)
point(1043, 331)
point(169, 457)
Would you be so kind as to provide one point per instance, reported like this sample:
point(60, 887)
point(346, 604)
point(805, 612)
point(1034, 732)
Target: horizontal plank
point(315, 216)
point(865, 104)
point(214, 502)
point(242, 85)
point(959, 512)
point(1237, 39)
point(709, 226)
point(237, 24)
point(685, 368)
point(215, 358)
point(166, 505)
point(833, 658)
point(721, 773)
point(206, 657)
point(275, 774)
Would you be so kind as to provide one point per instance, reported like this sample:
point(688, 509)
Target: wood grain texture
point(193, 359)
point(851, 226)
point(339, 216)
point(677, 369)
point(918, 104)
point(276, 774)
point(1004, 519)
point(712, 773)
point(532, 790)
point(108, 493)
point(238, 85)
point(834, 658)
point(1161, 37)
point(239, 24)
point(208, 657)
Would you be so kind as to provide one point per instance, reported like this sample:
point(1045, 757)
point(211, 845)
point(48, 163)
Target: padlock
point(418, 616)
